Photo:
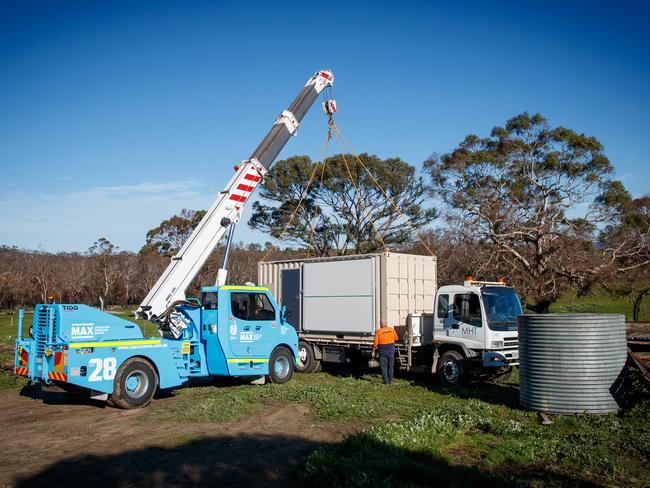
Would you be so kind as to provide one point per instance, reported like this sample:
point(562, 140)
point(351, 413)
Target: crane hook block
point(329, 107)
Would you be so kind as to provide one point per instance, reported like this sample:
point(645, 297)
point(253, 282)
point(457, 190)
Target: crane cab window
point(209, 300)
point(467, 309)
point(252, 306)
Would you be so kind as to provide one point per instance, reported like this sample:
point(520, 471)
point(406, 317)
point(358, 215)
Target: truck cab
point(241, 326)
point(475, 330)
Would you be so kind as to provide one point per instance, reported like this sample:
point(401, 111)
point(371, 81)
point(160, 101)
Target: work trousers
point(387, 363)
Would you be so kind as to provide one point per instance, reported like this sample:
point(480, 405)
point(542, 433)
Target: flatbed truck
point(455, 331)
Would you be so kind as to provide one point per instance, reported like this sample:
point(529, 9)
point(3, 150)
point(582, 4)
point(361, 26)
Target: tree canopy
point(171, 234)
point(625, 247)
point(343, 210)
point(530, 192)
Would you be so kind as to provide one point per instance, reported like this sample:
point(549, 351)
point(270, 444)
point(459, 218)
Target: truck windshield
point(502, 306)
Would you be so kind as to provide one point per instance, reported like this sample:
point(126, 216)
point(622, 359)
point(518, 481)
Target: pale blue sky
point(116, 115)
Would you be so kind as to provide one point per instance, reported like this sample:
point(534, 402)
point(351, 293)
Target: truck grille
point(511, 342)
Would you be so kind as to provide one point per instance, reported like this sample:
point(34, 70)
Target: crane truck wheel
point(135, 384)
point(305, 362)
point(280, 366)
point(451, 368)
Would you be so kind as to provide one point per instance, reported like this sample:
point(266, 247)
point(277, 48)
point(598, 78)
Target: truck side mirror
point(283, 314)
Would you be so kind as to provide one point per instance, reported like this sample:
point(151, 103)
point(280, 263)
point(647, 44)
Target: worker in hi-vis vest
point(385, 338)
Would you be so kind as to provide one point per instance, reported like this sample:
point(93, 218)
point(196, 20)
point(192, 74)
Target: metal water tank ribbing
point(569, 362)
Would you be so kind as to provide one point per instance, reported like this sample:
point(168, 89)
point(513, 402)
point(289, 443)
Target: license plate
point(515, 354)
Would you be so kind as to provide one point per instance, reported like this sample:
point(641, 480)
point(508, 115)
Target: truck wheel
point(305, 362)
point(451, 369)
point(134, 385)
point(280, 366)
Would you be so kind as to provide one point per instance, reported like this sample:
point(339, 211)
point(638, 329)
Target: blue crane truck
point(230, 331)
point(234, 331)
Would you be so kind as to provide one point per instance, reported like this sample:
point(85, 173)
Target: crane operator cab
point(245, 333)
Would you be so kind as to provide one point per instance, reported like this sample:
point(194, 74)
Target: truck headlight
point(497, 344)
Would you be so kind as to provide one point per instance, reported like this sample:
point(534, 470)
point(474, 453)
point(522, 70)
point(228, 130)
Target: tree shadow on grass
point(260, 460)
point(362, 460)
point(215, 461)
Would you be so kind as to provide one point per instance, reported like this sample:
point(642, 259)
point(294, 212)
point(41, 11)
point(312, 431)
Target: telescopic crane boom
point(226, 209)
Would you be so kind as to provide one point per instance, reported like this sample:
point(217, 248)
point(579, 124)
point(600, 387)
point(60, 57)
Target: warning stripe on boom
point(243, 190)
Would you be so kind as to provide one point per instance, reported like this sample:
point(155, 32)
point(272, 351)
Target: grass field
point(599, 303)
point(418, 433)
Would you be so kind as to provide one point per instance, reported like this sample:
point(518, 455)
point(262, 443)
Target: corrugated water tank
point(569, 362)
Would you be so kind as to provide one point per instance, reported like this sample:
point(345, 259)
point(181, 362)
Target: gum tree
point(625, 246)
point(171, 234)
point(347, 213)
point(527, 191)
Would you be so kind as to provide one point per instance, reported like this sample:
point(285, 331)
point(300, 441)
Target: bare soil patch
point(51, 439)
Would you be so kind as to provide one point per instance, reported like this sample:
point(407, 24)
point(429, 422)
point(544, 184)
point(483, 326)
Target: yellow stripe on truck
point(244, 288)
point(114, 343)
point(248, 360)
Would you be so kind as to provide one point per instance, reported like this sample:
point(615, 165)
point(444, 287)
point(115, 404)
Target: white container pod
point(345, 296)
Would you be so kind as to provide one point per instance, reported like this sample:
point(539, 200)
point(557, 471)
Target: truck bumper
point(25, 359)
point(492, 359)
point(45, 366)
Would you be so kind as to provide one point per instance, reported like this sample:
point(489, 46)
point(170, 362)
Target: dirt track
point(47, 439)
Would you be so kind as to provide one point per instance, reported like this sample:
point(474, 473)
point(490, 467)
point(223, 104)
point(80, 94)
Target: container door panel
point(290, 296)
point(338, 296)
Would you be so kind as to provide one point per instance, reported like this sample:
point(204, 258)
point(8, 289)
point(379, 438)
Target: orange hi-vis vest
point(385, 336)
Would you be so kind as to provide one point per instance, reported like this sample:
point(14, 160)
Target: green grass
point(8, 331)
point(418, 432)
point(598, 303)
point(331, 397)
point(478, 434)
point(462, 443)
